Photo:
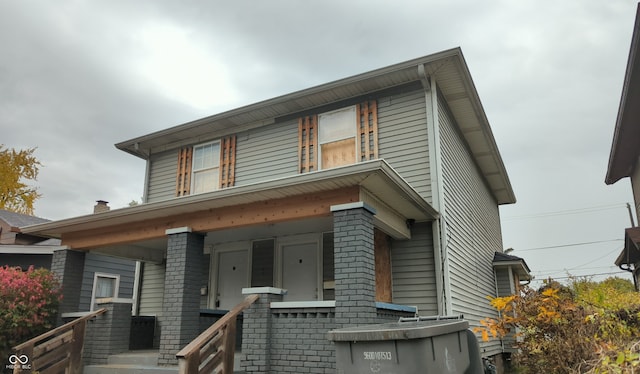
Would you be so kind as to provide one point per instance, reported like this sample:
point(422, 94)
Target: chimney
point(101, 206)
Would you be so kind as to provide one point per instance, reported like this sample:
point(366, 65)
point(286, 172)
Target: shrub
point(586, 327)
point(28, 304)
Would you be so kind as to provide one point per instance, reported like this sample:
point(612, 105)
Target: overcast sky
point(76, 77)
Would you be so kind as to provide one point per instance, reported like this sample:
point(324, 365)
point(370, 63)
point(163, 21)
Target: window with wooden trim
point(206, 167)
point(340, 137)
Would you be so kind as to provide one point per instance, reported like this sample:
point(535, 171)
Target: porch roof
point(448, 68)
point(376, 177)
point(630, 255)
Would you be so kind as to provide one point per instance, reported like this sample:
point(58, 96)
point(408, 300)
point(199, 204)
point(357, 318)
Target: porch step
point(142, 362)
point(138, 362)
point(143, 358)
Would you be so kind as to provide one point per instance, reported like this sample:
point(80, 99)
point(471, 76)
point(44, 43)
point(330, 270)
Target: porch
point(324, 237)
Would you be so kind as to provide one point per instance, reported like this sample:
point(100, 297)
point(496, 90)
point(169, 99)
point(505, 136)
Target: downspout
point(443, 285)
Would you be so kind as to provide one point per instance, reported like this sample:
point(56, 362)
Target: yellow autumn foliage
point(586, 327)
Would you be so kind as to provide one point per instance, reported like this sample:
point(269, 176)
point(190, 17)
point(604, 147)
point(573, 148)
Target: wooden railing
point(214, 350)
point(58, 350)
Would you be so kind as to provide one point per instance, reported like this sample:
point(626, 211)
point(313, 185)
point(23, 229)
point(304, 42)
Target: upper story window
point(206, 167)
point(340, 137)
point(337, 137)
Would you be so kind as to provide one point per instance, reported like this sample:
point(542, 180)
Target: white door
point(300, 271)
point(232, 278)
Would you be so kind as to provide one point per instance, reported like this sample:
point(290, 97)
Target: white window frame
point(347, 114)
point(116, 287)
point(195, 171)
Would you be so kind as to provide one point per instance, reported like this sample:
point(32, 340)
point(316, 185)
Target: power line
point(566, 212)
point(585, 275)
point(568, 245)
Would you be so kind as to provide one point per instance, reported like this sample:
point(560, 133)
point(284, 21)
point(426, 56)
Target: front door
point(232, 278)
point(300, 271)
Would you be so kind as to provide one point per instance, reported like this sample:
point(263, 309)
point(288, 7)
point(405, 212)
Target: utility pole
point(630, 215)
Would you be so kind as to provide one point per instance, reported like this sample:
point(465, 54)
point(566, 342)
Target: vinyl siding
point(152, 293)
point(402, 138)
point(270, 152)
point(162, 176)
point(472, 228)
point(413, 270)
point(105, 264)
point(503, 282)
point(267, 153)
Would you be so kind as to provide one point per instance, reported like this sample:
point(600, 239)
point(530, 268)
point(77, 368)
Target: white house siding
point(267, 153)
point(413, 270)
point(402, 138)
point(472, 228)
point(110, 265)
point(162, 176)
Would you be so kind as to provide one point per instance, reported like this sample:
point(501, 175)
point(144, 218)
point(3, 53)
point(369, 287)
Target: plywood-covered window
point(206, 167)
point(339, 137)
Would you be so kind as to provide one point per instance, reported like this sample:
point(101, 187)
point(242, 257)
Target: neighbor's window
point(104, 286)
point(206, 167)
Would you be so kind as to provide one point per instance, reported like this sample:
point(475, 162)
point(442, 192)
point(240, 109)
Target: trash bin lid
point(398, 330)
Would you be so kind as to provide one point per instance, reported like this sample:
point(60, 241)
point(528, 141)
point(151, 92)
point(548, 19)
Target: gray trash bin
point(416, 345)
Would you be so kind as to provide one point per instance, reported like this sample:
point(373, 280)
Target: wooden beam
point(264, 212)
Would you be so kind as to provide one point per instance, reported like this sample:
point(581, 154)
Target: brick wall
point(181, 307)
point(109, 333)
point(299, 341)
point(354, 261)
point(68, 267)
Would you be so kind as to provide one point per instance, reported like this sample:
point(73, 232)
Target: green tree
point(16, 167)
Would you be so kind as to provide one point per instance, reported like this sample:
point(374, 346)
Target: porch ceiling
point(376, 177)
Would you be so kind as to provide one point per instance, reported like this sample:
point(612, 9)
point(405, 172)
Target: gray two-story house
point(380, 191)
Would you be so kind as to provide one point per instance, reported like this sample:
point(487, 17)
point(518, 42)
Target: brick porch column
point(109, 333)
point(181, 306)
point(257, 331)
point(355, 275)
point(68, 267)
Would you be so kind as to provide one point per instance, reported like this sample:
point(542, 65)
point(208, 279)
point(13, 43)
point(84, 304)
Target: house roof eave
point(376, 176)
point(624, 151)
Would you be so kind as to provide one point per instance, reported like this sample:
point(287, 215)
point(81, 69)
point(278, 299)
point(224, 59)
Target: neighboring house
point(625, 150)
point(98, 275)
point(365, 198)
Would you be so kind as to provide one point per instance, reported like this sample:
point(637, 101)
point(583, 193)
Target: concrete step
point(143, 358)
point(142, 362)
point(129, 369)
